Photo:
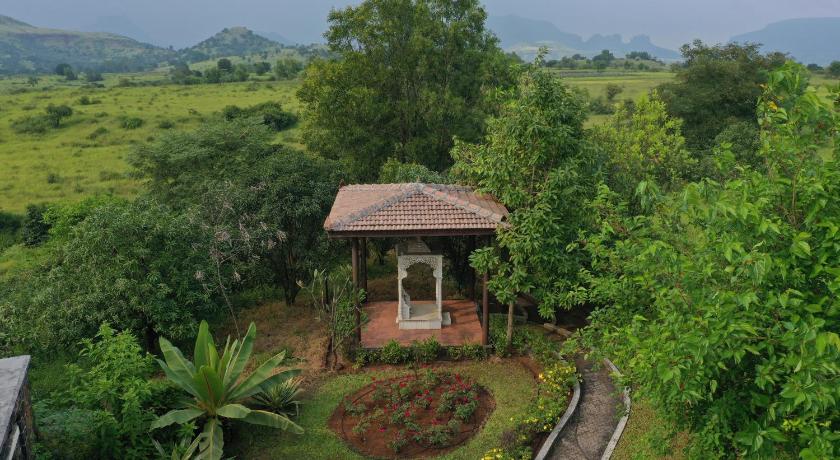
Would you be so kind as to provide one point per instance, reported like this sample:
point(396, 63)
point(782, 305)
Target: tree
point(719, 306)
point(337, 302)
point(287, 68)
point(612, 91)
point(834, 69)
point(394, 172)
point(410, 76)
point(641, 144)
point(533, 159)
point(55, 113)
point(271, 113)
point(603, 60)
point(717, 85)
point(288, 191)
point(262, 67)
point(639, 55)
point(132, 264)
point(224, 65)
point(34, 229)
point(219, 388)
point(93, 76)
point(63, 69)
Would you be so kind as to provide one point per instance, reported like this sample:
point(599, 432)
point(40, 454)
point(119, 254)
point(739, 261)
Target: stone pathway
point(589, 430)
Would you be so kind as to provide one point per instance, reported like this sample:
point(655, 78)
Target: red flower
point(381, 429)
point(407, 414)
point(402, 384)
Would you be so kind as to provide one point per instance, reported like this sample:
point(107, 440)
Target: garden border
point(619, 429)
point(548, 444)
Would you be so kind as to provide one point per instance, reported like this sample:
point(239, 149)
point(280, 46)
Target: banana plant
point(219, 387)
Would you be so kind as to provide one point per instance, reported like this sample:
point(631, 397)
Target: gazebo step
point(420, 324)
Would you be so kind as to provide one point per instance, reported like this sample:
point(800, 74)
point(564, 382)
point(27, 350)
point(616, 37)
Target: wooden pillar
point(485, 311)
point(363, 253)
point(354, 256)
point(470, 271)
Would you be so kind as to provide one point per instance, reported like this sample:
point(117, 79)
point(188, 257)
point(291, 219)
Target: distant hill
point(25, 48)
point(281, 39)
point(232, 41)
point(525, 36)
point(809, 40)
point(119, 25)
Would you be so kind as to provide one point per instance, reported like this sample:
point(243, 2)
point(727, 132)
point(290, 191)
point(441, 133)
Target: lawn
point(87, 154)
point(647, 436)
point(510, 383)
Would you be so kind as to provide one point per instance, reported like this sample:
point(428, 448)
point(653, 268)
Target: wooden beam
point(485, 311)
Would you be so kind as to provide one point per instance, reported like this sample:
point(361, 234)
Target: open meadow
point(86, 155)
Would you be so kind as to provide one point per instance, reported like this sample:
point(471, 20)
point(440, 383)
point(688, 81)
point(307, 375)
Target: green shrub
point(470, 351)
point(131, 122)
point(281, 398)
point(364, 357)
point(32, 124)
point(394, 353)
point(425, 351)
point(271, 113)
point(166, 124)
point(100, 131)
point(104, 410)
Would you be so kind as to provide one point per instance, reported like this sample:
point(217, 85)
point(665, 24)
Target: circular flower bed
point(416, 415)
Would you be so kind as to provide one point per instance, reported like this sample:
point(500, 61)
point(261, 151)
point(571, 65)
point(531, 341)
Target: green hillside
point(25, 48)
point(232, 41)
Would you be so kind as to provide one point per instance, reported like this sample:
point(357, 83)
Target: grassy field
point(86, 155)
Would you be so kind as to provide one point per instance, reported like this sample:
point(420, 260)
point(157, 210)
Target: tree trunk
point(509, 338)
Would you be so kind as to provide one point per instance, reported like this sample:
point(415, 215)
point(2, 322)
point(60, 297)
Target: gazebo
point(409, 213)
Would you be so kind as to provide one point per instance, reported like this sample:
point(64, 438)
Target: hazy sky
point(182, 23)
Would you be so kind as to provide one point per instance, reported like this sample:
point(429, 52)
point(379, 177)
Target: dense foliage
point(106, 404)
point(218, 387)
point(128, 263)
point(721, 302)
point(233, 167)
point(716, 86)
point(535, 160)
point(410, 76)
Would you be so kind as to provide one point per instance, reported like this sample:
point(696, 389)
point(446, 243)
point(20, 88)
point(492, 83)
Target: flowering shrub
point(543, 413)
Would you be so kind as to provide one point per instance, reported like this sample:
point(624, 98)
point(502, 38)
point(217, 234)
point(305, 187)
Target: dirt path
point(589, 430)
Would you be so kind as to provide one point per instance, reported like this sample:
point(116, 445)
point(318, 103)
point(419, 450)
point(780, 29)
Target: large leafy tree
point(534, 159)
point(721, 302)
point(410, 75)
point(717, 86)
point(234, 178)
point(131, 264)
point(640, 142)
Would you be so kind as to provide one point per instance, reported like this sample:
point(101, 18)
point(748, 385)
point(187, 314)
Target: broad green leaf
point(212, 444)
point(210, 386)
point(243, 354)
point(202, 344)
point(251, 385)
point(261, 417)
point(233, 411)
point(180, 416)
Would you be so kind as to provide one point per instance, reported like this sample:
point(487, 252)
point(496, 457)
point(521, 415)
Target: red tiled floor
point(382, 325)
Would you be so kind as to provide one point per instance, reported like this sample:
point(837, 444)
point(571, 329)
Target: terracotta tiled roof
point(414, 207)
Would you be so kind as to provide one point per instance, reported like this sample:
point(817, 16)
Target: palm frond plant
point(219, 387)
point(281, 398)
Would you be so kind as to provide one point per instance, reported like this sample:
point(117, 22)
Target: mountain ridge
point(809, 40)
point(525, 35)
